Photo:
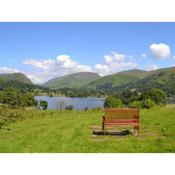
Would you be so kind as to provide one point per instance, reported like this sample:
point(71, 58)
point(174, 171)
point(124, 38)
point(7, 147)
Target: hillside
point(161, 78)
point(18, 80)
point(72, 81)
point(118, 79)
point(16, 77)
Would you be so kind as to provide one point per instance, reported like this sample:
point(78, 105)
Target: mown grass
point(71, 132)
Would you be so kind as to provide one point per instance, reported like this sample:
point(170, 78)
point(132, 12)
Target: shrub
point(112, 102)
point(156, 95)
point(70, 107)
point(43, 104)
point(147, 103)
point(8, 116)
point(136, 104)
point(27, 99)
point(128, 96)
point(15, 98)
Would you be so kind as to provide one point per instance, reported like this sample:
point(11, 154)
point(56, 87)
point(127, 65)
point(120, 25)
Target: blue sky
point(46, 50)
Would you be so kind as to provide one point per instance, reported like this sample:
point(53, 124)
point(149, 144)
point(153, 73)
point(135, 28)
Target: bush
point(70, 107)
point(43, 104)
point(27, 99)
point(156, 95)
point(8, 116)
point(136, 104)
point(15, 98)
point(147, 103)
point(112, 102)
point(129, 96)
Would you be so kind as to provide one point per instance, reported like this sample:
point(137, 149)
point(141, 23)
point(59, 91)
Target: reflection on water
point(77, 103)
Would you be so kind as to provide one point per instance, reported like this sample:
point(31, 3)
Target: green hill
point(161, 78)
point(16, 77)
point(118, 79)
point(72, 81)
point(18, 80)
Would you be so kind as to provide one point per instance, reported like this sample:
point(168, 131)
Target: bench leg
point(136, 128)
point(103, 127)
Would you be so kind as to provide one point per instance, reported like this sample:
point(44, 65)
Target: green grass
point(71, 132)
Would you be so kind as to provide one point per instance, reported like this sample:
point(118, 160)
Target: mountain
point(162, 78)
point(118, 79)
point(76, 80)
point(18, 80)
point(16, 77)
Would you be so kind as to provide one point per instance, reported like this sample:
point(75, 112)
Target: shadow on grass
point(113, 133)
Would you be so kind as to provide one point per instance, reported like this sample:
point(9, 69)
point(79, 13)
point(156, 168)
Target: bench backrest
point(121, 113)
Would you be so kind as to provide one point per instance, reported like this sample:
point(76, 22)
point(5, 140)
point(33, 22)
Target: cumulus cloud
point(114, 62)
point(6, 70)
point(151, 67)
point(61, 65)
point(160, 51)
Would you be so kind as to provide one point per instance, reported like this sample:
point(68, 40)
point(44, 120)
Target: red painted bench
point(121, 117)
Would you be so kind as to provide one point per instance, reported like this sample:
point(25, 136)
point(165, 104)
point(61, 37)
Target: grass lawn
point(71, 132)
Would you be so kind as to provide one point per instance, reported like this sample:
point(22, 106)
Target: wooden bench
point(121, 117)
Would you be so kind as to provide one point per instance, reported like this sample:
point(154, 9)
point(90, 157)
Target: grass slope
point(16, 77)
point(20, 85)
point(161, 78)
point(71, 131)
point(119, 78)
point(72, 81)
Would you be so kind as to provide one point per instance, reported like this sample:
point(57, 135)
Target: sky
point(43, 51)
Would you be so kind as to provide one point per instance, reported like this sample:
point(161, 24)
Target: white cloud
point(173, 57)
point(51, 68)
point(115, 62)
point(143, 55)
point(160, 51)
point(6, 70)
point(151, 67)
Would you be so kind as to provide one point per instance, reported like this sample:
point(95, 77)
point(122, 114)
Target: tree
point(156, 95)
point(129, 96)
point(43, 104)
point(112, 102)
point(11, 96)
point(28, 100)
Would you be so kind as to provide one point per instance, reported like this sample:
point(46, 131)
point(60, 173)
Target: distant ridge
point(16, 77)
point(161, 78)
point(76, 80)
point(119, 78)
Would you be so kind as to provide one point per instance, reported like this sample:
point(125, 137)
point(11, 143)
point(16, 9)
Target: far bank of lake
point(77, 103)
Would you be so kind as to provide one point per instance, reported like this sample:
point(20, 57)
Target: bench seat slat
point(121, 120)
point(133, 124)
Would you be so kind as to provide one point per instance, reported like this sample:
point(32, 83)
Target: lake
point(77, 103)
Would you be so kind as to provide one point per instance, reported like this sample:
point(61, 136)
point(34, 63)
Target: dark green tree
point(11, 96)
point(43, 104)
point(156, 95)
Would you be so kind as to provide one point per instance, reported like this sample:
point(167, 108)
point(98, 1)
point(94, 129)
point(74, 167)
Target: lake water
point(77, 103)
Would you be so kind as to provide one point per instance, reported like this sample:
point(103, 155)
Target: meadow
point(55, 131)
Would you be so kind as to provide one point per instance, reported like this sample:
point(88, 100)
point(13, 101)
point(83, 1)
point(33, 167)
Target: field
point(55, 131)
